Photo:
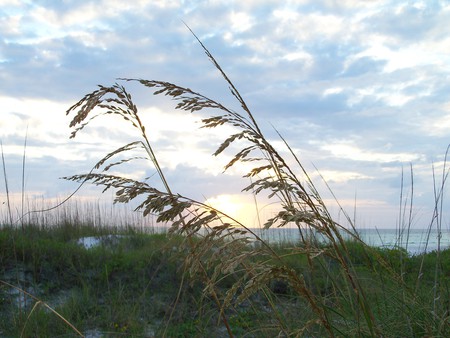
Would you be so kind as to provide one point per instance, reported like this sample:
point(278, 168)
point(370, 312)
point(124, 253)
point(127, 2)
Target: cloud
point(409, 20)
point(440, 125)
point(359, 88)
point(241, 21)
point(350, 151)
point(336, 176)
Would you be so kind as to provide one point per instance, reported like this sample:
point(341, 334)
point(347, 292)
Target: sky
point(359, 90)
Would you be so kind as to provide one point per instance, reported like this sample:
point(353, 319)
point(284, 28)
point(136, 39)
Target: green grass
point(106, 287)
point(130, 288)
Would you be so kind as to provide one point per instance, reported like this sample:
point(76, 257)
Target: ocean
point(416, 241)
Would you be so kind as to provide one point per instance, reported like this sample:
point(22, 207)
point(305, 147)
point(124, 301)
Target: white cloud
point(44, 119)
point(336, 176)
point(307, 58)
point(348, 150)
point(240, 21)
point(393, 93)
point(437, 125)
point(10, 25)
point(400, 55)
point(306, 27)
point(332, 90)
point(285, 15)
point(57, 151)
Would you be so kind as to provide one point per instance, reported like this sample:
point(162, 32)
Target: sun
point(240, 207)
point(227, 204)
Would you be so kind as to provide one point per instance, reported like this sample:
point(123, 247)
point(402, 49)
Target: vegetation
point(118, 286)
point(224, 272)
point(135, 283)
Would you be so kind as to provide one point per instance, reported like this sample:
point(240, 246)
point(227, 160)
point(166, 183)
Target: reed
point(218, 243)
point(126, 285)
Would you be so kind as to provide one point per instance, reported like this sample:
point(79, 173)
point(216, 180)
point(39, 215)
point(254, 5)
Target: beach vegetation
point(210, 274)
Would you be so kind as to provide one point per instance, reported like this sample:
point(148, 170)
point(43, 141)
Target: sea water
point(415, 241)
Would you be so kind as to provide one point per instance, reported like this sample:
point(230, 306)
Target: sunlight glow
point(226, 204)
point(238, 206)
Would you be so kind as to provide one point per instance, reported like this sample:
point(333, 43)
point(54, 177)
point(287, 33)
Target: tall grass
point(329, 283)
point(117, 287)
point(332, 296)
point(37, 238)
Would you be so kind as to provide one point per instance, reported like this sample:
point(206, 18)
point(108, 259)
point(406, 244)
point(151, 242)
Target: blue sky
point(359, 89)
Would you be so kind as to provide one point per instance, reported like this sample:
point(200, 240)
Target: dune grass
point(137, 284)
point(228, 277)
point(344, 309)
point(113, 287)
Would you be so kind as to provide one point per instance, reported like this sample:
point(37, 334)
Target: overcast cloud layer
point(360, 90)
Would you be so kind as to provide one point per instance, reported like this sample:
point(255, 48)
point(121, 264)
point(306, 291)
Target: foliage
point(124, 285)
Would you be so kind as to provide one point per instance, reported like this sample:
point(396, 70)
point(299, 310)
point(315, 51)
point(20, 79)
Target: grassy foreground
point(135, 284)
point(126, 285)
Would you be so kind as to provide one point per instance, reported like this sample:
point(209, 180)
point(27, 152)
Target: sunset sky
point(359, 89)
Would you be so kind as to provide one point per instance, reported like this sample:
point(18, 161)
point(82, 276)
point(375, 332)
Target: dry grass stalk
point(218, 244)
